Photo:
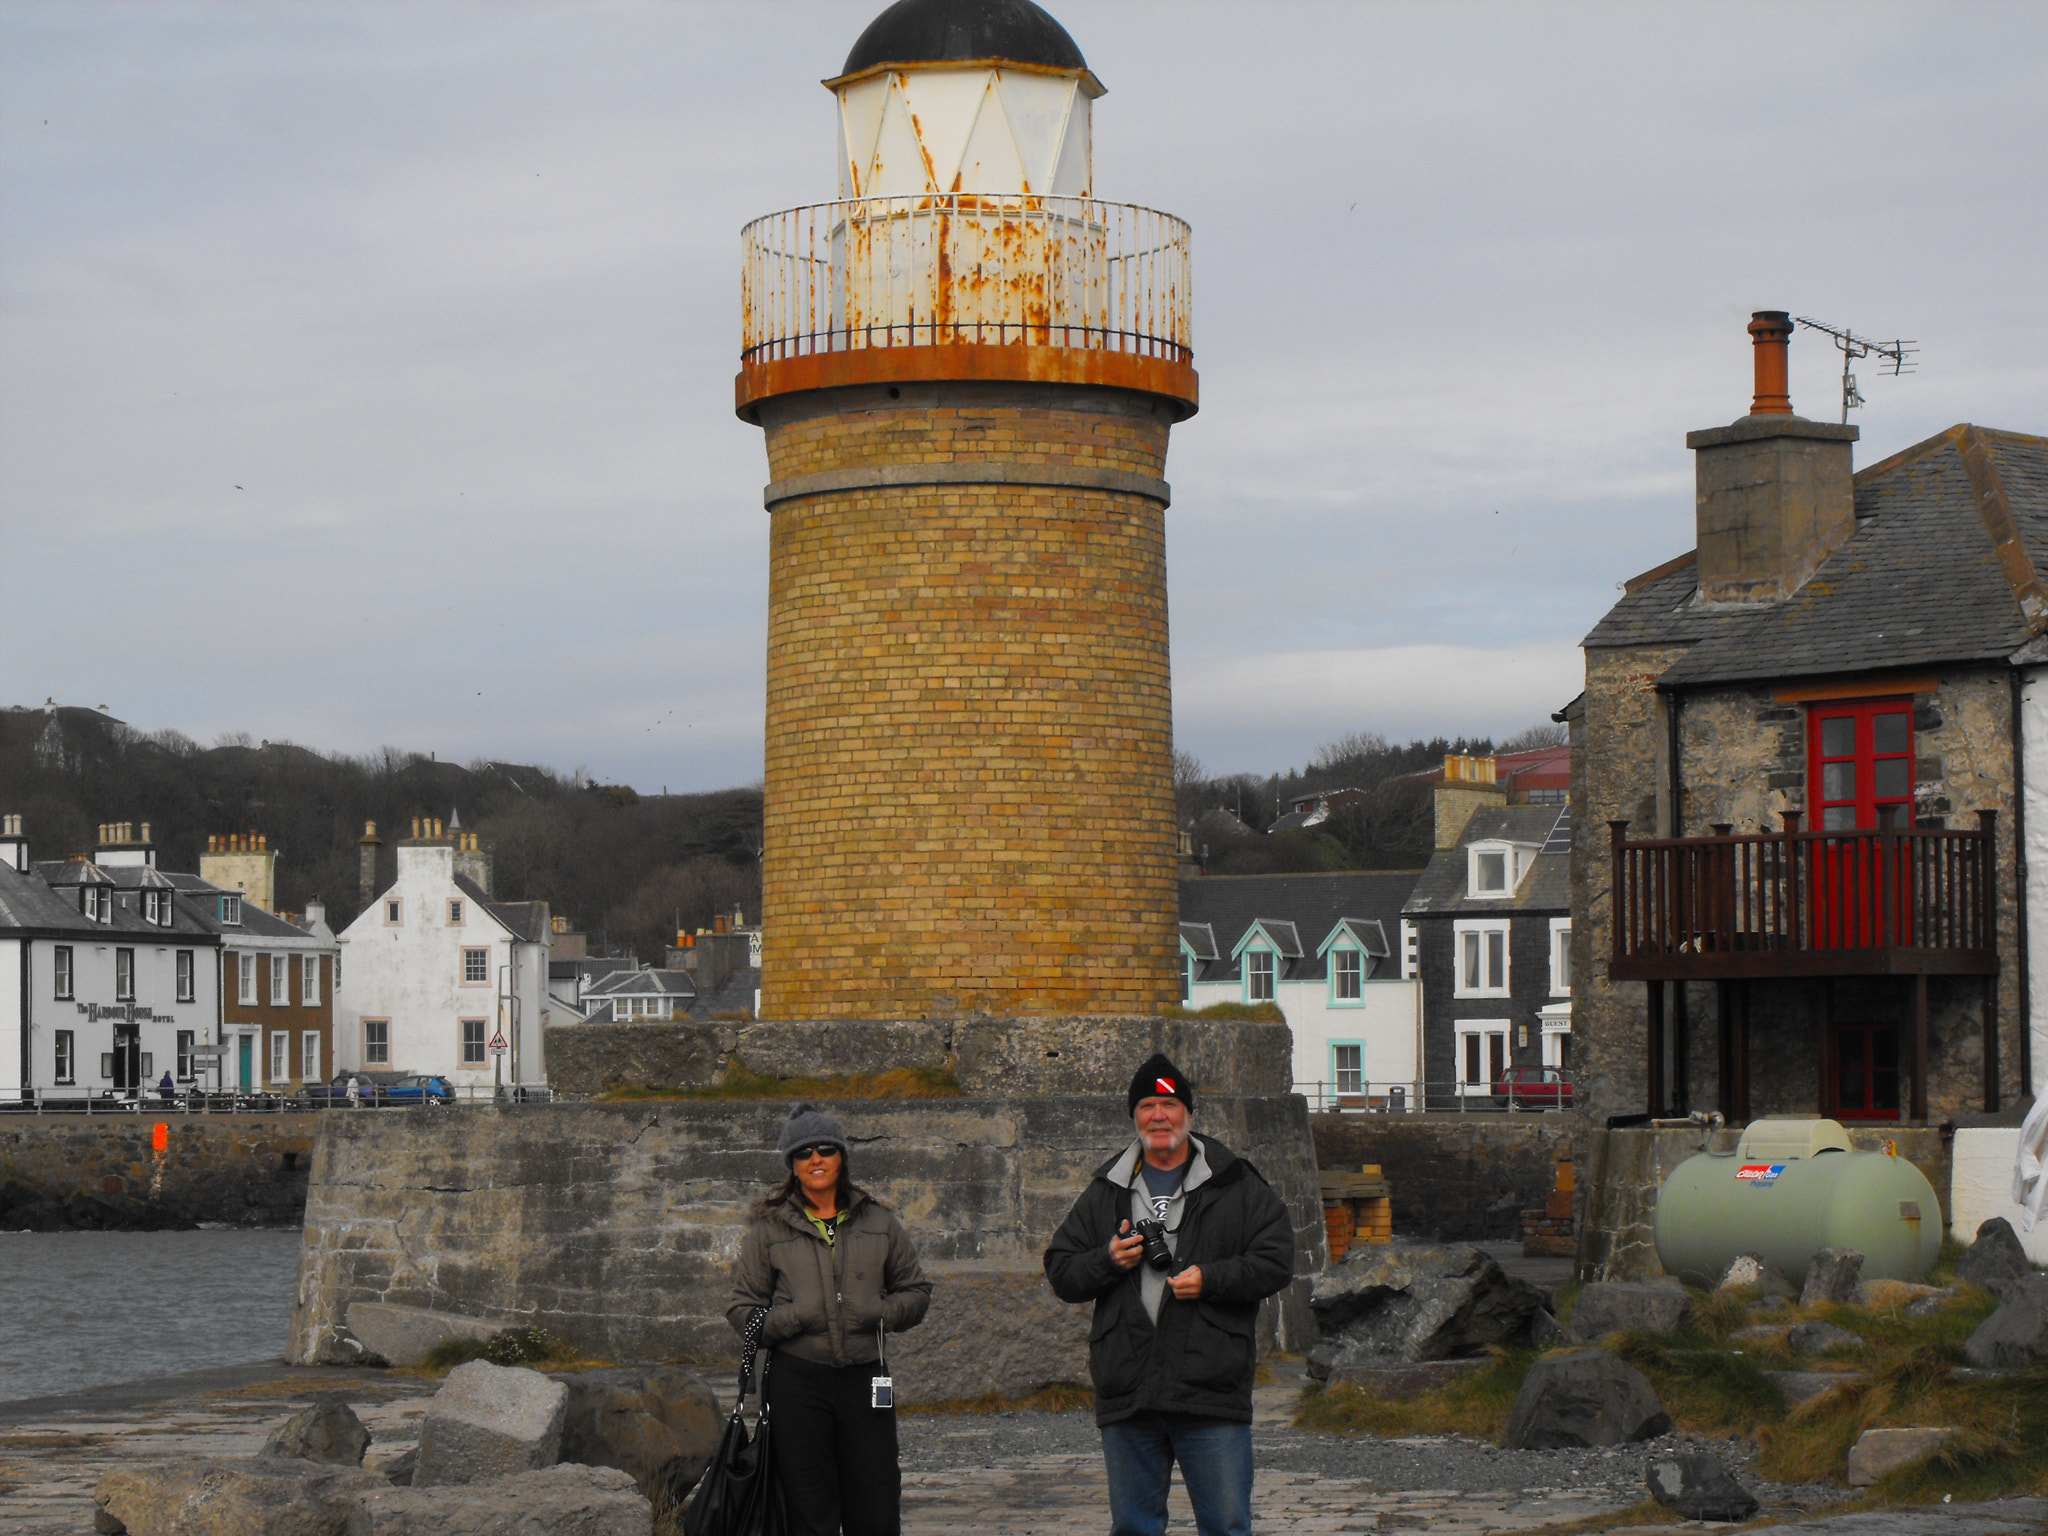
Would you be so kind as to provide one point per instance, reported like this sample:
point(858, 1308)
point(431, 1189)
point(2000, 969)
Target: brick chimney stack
point(1775, 492)
point(367, 846)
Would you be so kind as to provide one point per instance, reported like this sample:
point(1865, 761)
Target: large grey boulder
point(1393, 1303)
point(405, 1335)
point(1753, 1274)
point(327, 1430)
point(1583, 1397)
point(1832, 1276)
point(232, 1496)
point(1696, 1485)
point(1995, 1259)
point(659, 1424)
point(1879, 1451)
point(1820, 1339)
point(1608, 1306)
point(994, 1327)
point(490, 1421)
point(559, 1501)
point(2016, 1335)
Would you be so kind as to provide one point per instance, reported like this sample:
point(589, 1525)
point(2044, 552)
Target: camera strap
point(882, 1350)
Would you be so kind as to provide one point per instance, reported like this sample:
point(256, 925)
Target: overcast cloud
point(368, 369)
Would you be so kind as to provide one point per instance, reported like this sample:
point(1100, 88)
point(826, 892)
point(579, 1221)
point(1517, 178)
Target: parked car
point(335, 1093)
point(418, 1088)
point(1534, 1088)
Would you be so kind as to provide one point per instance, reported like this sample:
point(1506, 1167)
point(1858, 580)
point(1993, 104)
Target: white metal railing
point(1414, 1096)
point(277, 1100)
point(965, 268)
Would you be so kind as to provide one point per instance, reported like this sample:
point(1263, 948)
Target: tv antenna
point(1897, 354)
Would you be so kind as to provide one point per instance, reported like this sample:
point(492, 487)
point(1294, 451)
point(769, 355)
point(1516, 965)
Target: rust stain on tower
point(967, 368)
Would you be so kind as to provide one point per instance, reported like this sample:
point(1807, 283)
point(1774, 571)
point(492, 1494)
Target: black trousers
point(834, 1456)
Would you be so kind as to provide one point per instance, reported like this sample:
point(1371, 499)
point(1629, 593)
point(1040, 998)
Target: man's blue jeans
point(1215, 1458)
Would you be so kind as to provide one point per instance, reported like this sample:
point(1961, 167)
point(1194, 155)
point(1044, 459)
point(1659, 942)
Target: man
point(1171, 1350)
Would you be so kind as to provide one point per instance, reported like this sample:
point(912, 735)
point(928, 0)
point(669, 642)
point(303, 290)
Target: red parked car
point(1533, 1088)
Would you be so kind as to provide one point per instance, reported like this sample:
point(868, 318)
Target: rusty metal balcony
point(1892, 901)
point(966, 285)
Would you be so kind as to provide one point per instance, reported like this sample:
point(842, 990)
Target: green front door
point(244, 1058)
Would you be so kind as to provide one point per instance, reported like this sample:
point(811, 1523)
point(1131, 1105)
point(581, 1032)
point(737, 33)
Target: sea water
point(87, 1309)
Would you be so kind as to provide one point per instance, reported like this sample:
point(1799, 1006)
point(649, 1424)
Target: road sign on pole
point(498, 1043)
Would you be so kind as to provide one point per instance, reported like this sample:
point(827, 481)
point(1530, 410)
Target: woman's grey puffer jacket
point(823, 1299)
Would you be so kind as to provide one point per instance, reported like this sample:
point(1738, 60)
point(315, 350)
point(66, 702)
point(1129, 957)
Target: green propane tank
point(1790, 1189)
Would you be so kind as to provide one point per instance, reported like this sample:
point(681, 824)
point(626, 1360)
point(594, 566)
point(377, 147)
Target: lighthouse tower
point(966, 368)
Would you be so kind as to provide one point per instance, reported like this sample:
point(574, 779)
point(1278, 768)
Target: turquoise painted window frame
point(1331, 966)
point(1336, 1077)
point(1273, 976)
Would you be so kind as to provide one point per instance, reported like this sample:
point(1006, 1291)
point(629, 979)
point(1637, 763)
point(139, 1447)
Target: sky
point(366, 369)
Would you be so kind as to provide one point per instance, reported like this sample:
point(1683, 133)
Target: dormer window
point(96, 902)
point(156, 908)
point(1494, 869)
point(231, 911)
point(1347, 975)
point(1258, 976)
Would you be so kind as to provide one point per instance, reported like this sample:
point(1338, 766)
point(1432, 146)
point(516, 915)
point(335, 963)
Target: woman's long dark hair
point(791, 1191)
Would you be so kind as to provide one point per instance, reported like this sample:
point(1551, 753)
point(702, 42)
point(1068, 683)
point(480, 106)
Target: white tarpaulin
point(2029, 1184)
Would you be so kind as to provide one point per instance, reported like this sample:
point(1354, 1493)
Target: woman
point(832, 1265)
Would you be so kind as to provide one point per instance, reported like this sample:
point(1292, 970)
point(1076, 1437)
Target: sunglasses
point(805, 1154)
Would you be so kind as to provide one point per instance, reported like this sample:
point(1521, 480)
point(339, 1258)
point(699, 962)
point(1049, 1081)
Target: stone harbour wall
point(1455, 1178)
point(615, 1225)
point(1077, 1054)
point(101, 1172)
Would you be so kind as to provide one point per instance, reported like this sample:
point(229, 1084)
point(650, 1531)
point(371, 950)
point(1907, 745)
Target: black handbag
point(738, 1494)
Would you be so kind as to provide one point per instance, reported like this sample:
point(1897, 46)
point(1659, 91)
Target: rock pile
point(503, 1451)
point(1401, 1319)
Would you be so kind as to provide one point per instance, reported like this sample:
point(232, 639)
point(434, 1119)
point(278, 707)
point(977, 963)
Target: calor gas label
point(1759, 1173)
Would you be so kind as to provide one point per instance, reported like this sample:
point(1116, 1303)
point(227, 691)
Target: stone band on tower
point(967, 368)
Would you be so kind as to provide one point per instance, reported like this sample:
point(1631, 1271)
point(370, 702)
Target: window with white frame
point(1560, 957)
point(185, 1037)
point(280, 980)
point(1347, 975)
point(124, 975)
point(1482, 1054)
point(476, 967)
point(246, 975)
point(231, 911)
point(309, 979)
point(1347, 1068)
point(67, 1055)
point(309, 1055)
point(61, 972)
point(1494, 869)
point(454, 914)
point(1480, 959)
point(472, 1042)
point(280, 1056)
point(187, 979)
point(1258, 975)
point(376, 1042)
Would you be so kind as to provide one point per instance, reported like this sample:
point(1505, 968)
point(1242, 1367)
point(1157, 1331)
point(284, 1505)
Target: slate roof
point(1547, 887)
point(1920, 582)
point(680, 984)
point(1313, 904)
point(527, 920)
point(27, 902)
point(30, 901)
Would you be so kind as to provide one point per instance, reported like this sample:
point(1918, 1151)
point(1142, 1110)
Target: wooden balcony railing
point(1890, 901)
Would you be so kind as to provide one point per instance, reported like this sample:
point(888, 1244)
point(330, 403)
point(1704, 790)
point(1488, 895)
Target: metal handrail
point(1419, 1096)
point(965, 269)
point(63, 1100)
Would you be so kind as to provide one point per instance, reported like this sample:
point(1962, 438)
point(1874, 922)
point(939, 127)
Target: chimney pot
point(145, 831)
point(1771, 331)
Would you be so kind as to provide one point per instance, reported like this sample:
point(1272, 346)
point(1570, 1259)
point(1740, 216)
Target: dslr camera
point(1157, 1254)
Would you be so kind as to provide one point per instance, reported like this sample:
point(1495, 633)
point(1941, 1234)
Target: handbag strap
point(751, 1344)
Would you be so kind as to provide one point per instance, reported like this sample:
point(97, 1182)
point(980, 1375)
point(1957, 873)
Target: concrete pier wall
point(615, 1225)
point(102, 1172)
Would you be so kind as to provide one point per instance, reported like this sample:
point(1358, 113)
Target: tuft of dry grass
point(1247, 1013)
point(742, 1082)
point(1055, 1397)
point(1475, 1405)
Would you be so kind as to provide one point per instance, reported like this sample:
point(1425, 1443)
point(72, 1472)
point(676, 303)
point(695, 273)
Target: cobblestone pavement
point(1019, 1474)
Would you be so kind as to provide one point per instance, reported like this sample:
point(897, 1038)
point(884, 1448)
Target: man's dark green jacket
point(1200, 1357)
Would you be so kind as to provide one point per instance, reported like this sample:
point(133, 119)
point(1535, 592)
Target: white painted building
point(433, 970)
point(1324, 948)
point(106, 980)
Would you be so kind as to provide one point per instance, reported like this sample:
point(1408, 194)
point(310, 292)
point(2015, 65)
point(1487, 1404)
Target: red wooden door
point(1860, 758)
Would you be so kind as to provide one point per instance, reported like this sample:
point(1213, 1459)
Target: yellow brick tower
point(967, 368)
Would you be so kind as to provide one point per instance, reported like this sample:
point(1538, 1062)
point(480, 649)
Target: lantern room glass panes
point(1862, 762)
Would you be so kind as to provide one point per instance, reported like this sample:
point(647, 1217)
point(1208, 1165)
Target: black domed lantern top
point(940, 31)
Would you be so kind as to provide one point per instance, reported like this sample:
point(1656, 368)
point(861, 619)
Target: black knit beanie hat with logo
point(1159, 1078)
point(809, 1126)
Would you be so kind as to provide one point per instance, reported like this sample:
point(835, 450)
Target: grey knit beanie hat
point(809, 1126)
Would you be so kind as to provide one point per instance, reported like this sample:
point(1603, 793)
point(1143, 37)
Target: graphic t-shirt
point(1162, 1184)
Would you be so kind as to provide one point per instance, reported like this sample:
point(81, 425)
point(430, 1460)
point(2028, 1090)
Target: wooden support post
point(1654, 1043)
point(1918, 1112)
point(1681, 1051)
point(1740, 990)
point(1724, 1056)
point(1991, 1045)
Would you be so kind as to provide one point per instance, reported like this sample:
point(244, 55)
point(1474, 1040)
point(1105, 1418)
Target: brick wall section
point(969, 726)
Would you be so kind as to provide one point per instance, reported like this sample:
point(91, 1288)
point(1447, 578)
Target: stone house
point(433, 971)
point(1803, 781)
point(277, 988)
point(1324, 948)
point(1490, 929)
point(106, 980)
